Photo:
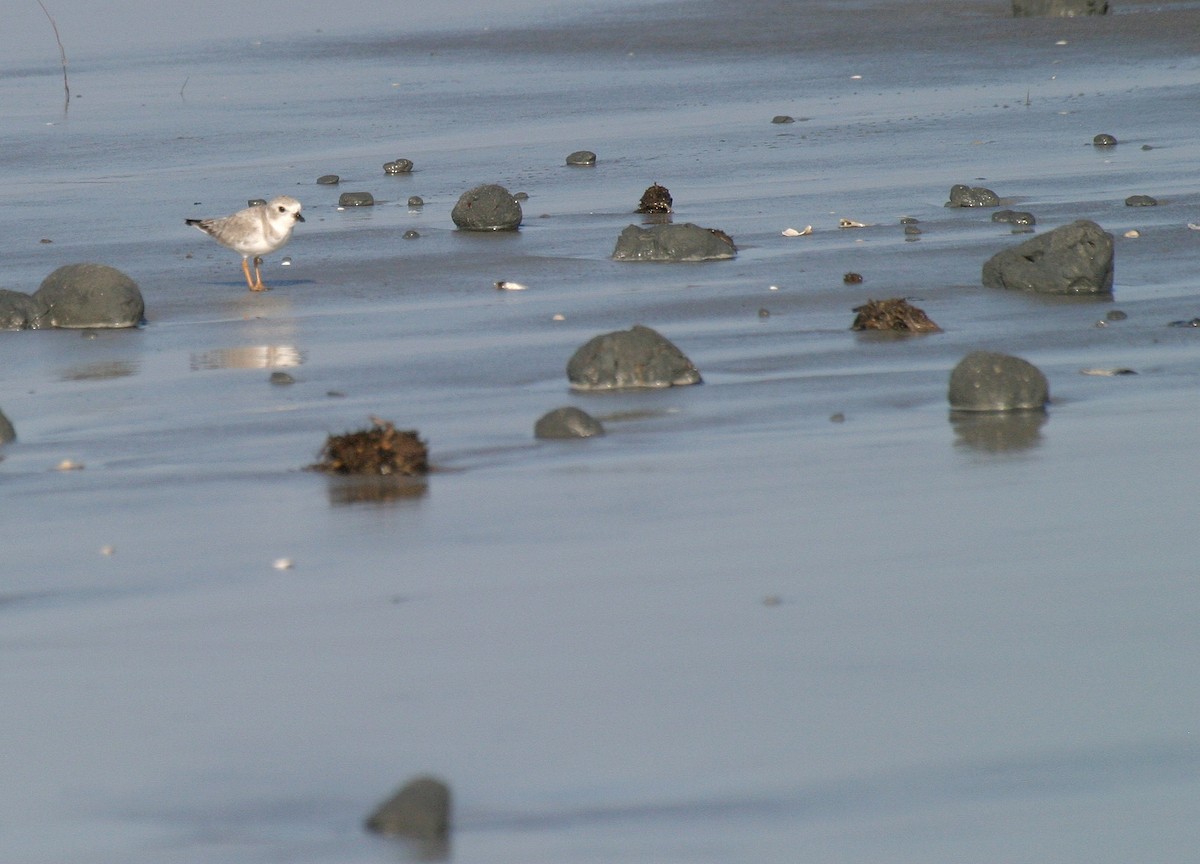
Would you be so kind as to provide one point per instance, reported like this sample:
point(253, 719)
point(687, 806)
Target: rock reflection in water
point(100, 371)
point(252, 357)
point(998, 431)
point(388, 489)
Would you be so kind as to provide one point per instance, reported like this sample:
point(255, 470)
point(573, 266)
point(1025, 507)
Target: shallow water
point(730, 630)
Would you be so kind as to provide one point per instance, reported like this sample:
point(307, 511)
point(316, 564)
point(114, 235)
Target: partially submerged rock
point(88, 295)
point(896, 314)
point(673, 243)
point(1058, 8)
point(1014, 217)
point(1072, 259)
point(380, 450)
point(420, 812)
point(356, 199)
point(7, 432)
point(398, 166)
point(1141, 201)
point(585, 158)
point(635, 358)
point(656, 199)
point(18, 311)
point(962, 195)
point(989, 381)
point(487, 208)
point(567, 422)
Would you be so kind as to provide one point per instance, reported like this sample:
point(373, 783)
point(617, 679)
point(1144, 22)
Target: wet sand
point(730, 630)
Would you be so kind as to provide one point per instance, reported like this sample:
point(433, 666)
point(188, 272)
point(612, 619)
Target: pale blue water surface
point(731, 630)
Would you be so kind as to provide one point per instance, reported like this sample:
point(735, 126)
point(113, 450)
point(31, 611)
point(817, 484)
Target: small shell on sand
point(505, 285)
point(69, 465)
point(1107, 373)
point(792, 232)
point(850, 223)
point(1133, 234)
point(283, 564)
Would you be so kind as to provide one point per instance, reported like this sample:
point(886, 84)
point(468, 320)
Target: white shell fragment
point(504, 285)
point(558, 316)
point(792, 232)
point(283, 564)
point(107, 550)
point(1107, 373)
point(1133, 234)
point(69, 465)
point(1194, 226)
point(850, 223)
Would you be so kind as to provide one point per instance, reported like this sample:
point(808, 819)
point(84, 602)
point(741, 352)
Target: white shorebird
point(256, 231)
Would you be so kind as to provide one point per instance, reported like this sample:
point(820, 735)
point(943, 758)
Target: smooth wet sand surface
point(732, 629)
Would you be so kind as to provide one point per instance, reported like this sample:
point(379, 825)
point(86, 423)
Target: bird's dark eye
point(282, 209)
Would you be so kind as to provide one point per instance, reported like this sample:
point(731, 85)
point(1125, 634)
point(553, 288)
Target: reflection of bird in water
point(255, 231)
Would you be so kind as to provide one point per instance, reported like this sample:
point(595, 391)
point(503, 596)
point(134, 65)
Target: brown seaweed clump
point(381, 450)
point(896, 314)
point(656, 199)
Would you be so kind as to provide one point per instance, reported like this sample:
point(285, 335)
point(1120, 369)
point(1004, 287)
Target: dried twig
point(62, 52)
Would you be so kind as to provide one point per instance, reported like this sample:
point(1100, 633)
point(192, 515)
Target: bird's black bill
point(299, 218)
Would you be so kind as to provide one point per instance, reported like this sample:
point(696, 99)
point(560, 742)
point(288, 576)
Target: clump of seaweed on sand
point(381, 450)
point(896, 315)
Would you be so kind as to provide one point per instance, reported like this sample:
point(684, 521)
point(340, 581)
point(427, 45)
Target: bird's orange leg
point(246, 270)
point(258, 283)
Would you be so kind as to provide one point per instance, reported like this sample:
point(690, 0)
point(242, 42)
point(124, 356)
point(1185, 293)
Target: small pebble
point(416, 201)
point(783, 118)
point(582, 157)
point(772, 600)
point(839, 417)
point(399, 166)
point(281, 378)
point(411, 234)
point(1141, 201)
point(1104, 140)
point(329, 180)
point(764, 313)
point(356, 199)
point(852, 278)
point(521, 196)
point(1116, 315)
point(254, 202)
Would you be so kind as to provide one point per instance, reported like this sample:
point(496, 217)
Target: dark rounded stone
point(673, 243)
point(416, 201)
point(398, 166)
point(487, 208)
point(581, 157)
point(1072, 259)
point(1058, 8)
point(636, 358)
point(7, 432)
point(962, 195)
point(1115, 315)
point(1104, 140)
point(256, 202)
point(419, 811)
point(567, 422)
point(281, 378)
point(89, 295)
point(1014, 217)
point(329, 180)
point(411, 234)
point(356, 199)
point(656, 199)
point(1141, 201)
point(19, 311)
point(989, 381)
point(783, 118)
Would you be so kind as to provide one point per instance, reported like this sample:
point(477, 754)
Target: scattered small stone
point(487, 208)
point(281, 378)
point(329, 180)
point(635, 358)
point(1141, 201)
point(852, 278)
point(912, 231)
point(567, 422)
point(1071, 259)
point(398, 166)
point(989, 381)
point(45, 240)
point(837, 417)
point(419, 811)
point(410, 234)
point(962, 195)
point(1147, 147)
point(416, 201)
point(521, 196)
point(1014, 217)
point(909, 220)
point(356, 199)
point(896, 314)
point(382, 449)
point(581, 157)
point(1115, 315)
point(764, 313)
point(783, 118)
point(656, 199)
point(1104, 140)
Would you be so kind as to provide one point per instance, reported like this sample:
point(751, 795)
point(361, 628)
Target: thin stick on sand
point(62, 52)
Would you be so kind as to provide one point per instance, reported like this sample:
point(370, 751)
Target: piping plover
point(256, 231)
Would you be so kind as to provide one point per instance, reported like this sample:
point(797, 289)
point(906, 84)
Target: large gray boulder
point(988, 381)
point(89, 295)
point(639, 357)
point(1073, 259)
point(487, 208)
point(673, 243)
point(1058, 8)
point(18, 311)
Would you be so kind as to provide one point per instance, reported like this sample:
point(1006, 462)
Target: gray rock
point(962, 195)
point(1058, 8)
point(1141, 201)
point(1104, 140)
point(89, 295)
point(1073, 259)
point(1014, 217)
point(356, 199)
point(783, 118)
point(635, 358)
point(581, 157)
point(419, 811)
point(988, 381)
point(416, 201)
point(329, 180)
point(673, 243)
point(487, 208)
point(398, 166)
point(18, 311)
point(567, 422)
point(7, 432)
